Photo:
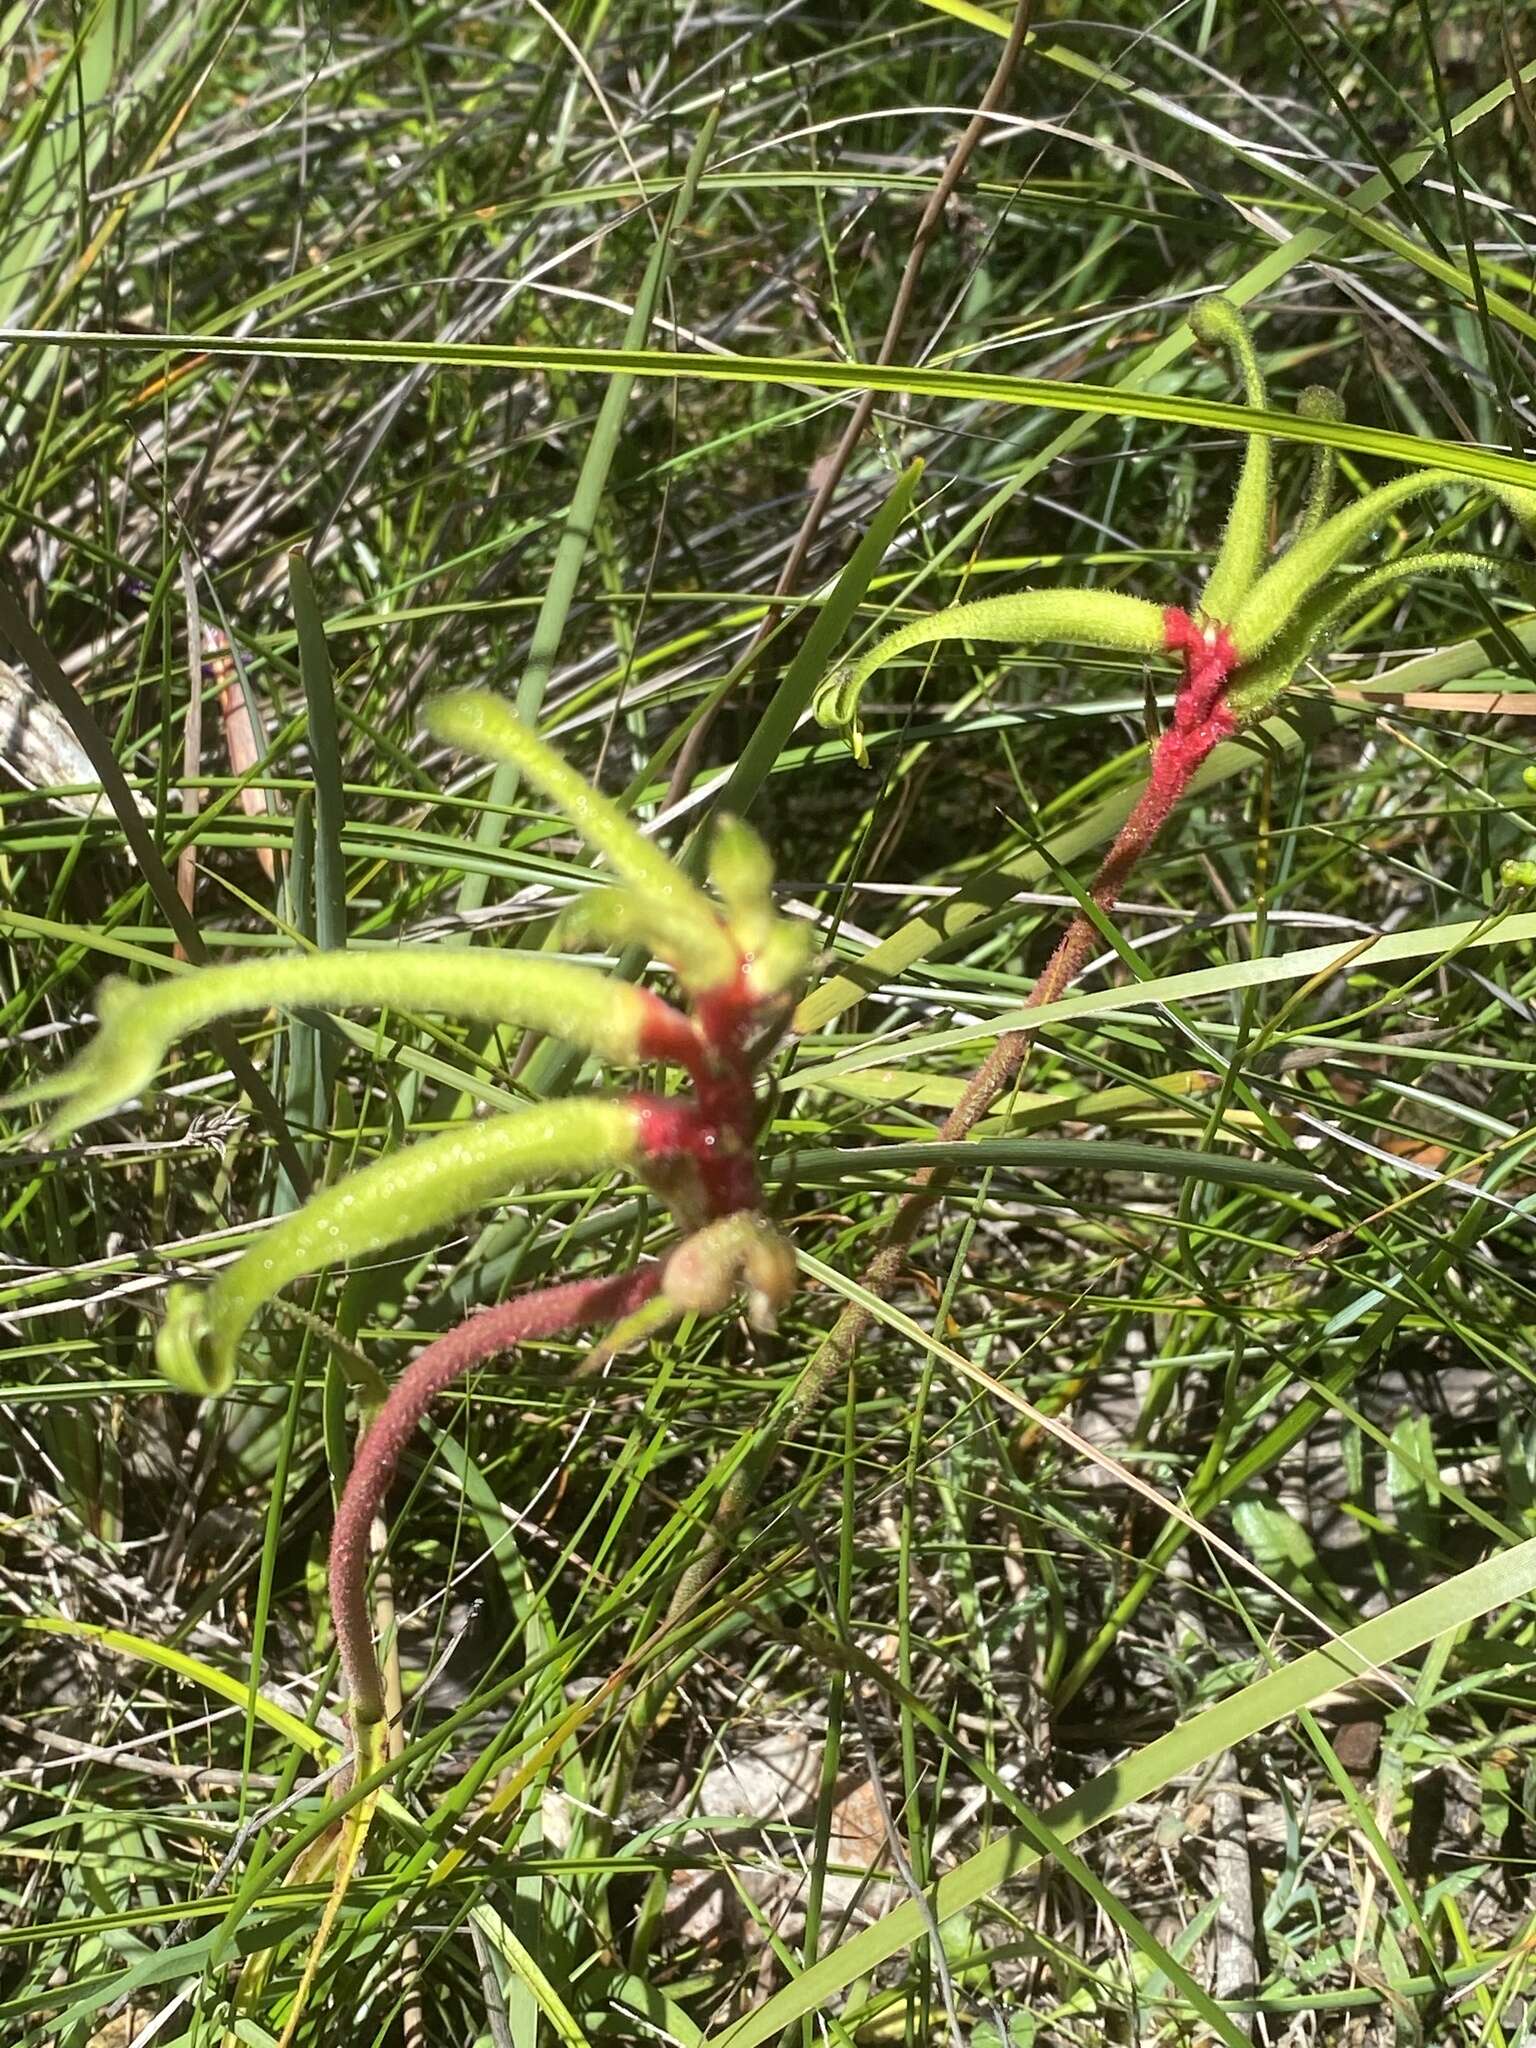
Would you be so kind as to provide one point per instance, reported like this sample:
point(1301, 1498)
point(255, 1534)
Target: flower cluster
point(737, 962)
point(1257, 622)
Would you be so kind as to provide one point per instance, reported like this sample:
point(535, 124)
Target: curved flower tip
point(836, 706)
point(402, 1195)
point(1216, 323)
point(1025, 618)
point(115, 1067)
point(184, 1350)
point(743, 1250)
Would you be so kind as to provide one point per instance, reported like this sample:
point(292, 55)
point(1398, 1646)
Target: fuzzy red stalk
point(719, 1064)
point(696, 1149)
point(1201, 720)
point(549, 1312)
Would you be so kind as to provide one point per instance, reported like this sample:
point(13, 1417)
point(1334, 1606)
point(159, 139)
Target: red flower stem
point(1201, 719)
point(1174, 761)
point(549, 1312)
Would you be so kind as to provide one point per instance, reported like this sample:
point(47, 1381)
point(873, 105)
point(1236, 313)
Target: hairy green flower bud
point(684, 929)
point(1282, 591)
point(401, 1196)
point(1318, 402)
point(1218, 324)
point(1258, 683)
point(607, 1018)
point(741, 872)
point(1078, 618)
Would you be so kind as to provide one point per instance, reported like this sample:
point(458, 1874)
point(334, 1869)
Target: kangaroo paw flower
point(612, 1020)
point(402, 1196)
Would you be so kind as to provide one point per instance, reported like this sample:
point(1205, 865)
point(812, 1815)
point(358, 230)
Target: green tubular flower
point(1318, 402)
point(402, 1196)
point(611, 1020)
point(1218, 324)
point(737, 959)
point(772, 952)
point(1078, 618)
point(676, 919)
point(740, 870)
point(1257, 620)
point(1258, 683)
point(1283, 590)
point(776, 951)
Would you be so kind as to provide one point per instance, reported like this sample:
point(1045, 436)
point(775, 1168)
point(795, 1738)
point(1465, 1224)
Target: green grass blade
point(1496, 1582)
point(576, 540)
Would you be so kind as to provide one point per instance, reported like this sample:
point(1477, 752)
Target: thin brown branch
point(836, 467)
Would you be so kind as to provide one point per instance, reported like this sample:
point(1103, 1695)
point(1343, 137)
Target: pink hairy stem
point(1200, 721)
point(549, 1312)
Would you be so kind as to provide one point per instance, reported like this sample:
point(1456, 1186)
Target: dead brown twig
point(836, 467)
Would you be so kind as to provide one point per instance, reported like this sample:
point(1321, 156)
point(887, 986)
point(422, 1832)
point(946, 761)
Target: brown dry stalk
point(858, 420)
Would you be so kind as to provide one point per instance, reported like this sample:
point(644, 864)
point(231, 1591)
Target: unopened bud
point(701, 1274)
point(741, 868)
point(770, 1269)
point(182, 1350)
point(737, 1251)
